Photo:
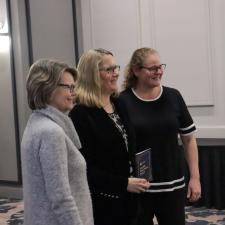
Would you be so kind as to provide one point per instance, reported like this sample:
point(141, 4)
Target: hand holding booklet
point(143, 166)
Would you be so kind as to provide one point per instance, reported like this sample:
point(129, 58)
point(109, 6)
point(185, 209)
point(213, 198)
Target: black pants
point(168, 207)
point(111, 211)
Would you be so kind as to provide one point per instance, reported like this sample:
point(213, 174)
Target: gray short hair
point(43, 78)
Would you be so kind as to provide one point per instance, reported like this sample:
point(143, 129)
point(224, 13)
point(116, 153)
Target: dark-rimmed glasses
point(154, 69)
point(111, 69)
point(71, 87)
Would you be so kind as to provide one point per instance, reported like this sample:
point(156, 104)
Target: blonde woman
point(107, 139)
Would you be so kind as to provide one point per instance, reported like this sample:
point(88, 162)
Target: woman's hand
point(194, 190)
point(137, 185)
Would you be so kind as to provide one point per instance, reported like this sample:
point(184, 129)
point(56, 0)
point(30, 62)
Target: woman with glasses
point(55, 187)
point(106, 137)
point(159, 114)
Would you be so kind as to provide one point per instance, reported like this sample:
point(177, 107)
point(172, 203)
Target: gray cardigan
point(55, 187)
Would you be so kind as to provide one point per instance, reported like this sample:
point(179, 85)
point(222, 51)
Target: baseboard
point(11, 192)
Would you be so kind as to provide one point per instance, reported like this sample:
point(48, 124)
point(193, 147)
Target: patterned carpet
point(203, 216)
point(11, 213)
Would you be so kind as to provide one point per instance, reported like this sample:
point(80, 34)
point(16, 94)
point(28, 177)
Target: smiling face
point(150, 74)
point(109, 73)
point(62, 97)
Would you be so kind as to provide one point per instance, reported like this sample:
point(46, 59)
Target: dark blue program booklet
point(143, 165)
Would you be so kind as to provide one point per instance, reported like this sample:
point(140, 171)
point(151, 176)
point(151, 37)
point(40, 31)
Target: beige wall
point(52, 36)
point(189, 36)
point(190, 40)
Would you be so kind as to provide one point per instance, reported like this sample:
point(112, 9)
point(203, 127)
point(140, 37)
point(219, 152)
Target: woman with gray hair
point(107, 139)
point(55, 187)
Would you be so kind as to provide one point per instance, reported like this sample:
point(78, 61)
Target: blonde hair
point(137, 60)
point(43, 78)
point(88, 88)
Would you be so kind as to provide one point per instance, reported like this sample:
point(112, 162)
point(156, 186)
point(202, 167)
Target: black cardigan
point(104, 148)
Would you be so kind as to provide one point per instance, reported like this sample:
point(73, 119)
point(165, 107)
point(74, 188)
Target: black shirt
point(107, 157)
point(157, 124)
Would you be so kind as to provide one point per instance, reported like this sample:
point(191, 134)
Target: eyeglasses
point(111, 69)
point(71, 87)
point(154, 69)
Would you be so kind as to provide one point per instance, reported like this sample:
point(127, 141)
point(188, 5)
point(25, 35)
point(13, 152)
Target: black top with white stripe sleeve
point(157, 124)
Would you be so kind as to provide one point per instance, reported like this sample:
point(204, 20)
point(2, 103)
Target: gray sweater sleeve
point(53, 160)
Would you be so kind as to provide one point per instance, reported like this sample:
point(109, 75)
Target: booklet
point(143, 166)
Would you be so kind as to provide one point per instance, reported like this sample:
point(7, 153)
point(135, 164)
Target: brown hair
point(137, 60)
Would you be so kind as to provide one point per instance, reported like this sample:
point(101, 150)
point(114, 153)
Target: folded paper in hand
point(143, 166)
